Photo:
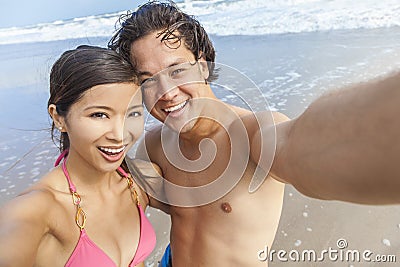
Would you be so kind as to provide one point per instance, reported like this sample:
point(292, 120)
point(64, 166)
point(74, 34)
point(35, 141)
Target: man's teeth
point(174, 108)
point(112, 150)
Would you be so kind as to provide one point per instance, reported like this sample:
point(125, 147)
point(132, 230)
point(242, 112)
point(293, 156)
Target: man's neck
point(203, 128)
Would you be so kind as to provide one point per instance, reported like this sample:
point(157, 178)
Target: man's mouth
point(176, 107)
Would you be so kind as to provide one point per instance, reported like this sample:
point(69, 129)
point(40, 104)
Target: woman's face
point(104, 124)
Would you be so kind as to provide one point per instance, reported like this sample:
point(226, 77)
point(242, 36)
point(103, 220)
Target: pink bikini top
point(86, 252)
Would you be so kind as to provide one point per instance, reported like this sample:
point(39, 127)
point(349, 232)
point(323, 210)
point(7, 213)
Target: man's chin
point(179, 127)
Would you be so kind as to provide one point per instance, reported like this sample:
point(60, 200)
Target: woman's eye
point(99, 115)
point(148, 80)
point(143, 82)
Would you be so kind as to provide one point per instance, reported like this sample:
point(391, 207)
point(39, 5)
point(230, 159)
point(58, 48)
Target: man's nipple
point(226, 207)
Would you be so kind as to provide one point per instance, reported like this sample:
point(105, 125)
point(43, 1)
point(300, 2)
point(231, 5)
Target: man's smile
point(176, 107)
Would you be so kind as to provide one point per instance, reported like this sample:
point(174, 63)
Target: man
point(174, 59)
point(345, 146)
point(227, 229)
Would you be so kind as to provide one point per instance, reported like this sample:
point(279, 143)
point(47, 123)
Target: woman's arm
point(22, 226)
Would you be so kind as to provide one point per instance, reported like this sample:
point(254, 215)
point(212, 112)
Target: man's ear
point(204, 67)
point(58, 120)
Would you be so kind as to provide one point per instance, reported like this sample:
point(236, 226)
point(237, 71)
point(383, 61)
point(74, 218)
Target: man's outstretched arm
point(345, 146)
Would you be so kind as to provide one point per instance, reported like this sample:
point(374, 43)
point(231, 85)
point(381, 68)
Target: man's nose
point(167, 89)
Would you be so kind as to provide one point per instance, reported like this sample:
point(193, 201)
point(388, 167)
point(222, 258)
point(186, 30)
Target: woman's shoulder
point(35, 202)
point(28, 212)
point(26, 219)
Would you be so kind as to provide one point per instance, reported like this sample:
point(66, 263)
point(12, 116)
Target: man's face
point(172, 81)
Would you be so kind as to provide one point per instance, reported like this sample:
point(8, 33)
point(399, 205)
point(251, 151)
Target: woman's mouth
point(112, 153)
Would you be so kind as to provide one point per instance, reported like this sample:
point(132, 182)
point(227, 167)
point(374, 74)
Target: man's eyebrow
point(174, 63)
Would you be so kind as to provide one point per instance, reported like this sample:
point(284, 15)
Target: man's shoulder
point(253, 121)
point(152, 135)
point(149, 144)
point(279, 117)
point(263, 117)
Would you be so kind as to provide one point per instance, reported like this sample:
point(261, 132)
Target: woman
point(88, 211)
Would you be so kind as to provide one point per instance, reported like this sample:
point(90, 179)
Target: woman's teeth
point(112, 150)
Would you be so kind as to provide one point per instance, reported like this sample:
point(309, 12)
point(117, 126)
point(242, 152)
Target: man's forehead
point(156, 40)
point(152, 56)
point(151, 68)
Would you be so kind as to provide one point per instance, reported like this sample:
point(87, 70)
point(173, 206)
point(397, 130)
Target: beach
point(290, 70)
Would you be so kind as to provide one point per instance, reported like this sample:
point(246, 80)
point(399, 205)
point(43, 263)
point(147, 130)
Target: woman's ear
point(58, 120)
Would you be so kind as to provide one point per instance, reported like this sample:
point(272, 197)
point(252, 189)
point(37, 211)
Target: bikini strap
point(122, 172)
point(71, 185)
point(80, 217)
point(60, 158)
point(129, 180)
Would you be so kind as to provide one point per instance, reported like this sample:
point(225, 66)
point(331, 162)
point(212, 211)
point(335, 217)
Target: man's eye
point(177, 71)
point(135, 114)
point(99, 115)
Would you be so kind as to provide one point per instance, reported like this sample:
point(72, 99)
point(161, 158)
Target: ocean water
point(233, 17)
point(291, 70)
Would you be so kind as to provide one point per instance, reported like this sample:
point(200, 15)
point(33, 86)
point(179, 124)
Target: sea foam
point(233, 17)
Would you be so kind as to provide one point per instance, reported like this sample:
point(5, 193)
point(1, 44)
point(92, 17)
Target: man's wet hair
point(173, 27)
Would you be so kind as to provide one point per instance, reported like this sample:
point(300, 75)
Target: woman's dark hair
point(173, 25)
point(78, 70)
